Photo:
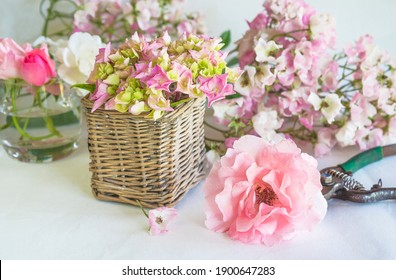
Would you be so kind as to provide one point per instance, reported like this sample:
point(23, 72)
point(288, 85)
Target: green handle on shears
point(363, 159)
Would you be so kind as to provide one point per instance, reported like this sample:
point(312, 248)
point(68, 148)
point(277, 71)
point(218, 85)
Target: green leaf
point(233, 96)
point(226, 38)
point(90, 87)
point(177, 103)
point(232, 62)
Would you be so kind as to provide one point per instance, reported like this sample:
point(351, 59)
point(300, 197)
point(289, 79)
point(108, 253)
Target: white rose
point(77, 57)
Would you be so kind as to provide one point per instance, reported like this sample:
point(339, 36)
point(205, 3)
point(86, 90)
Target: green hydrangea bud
point(112, 90)
point(220, 68)
point(121, 107)
point(173, 75)
point(112, 79)
point(131, 53)
point(138, 95)
point(195, 70)
point(104, 70)
point(206, 68)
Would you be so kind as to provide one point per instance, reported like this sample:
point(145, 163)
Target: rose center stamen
point(159, 220)
point(264, 194)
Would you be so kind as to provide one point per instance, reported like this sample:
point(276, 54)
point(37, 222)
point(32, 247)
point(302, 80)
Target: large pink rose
point(264, 193)
point(37, 67)
point(11, 56)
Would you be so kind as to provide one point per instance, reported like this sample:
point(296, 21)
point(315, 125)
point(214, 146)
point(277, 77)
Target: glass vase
point(38, 124)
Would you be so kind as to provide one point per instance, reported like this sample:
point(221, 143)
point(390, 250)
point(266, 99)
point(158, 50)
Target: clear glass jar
point(38, 124)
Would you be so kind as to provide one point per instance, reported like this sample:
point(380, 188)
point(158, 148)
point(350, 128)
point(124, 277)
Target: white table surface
point(47, 211)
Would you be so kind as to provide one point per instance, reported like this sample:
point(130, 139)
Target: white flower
point(330, 106)
point(264, 51)
point(265, 122)
point(264, 76)
point(346, 135)
point(321, 24)
point(315, 100)
point(390, 135)
point(374, 56)
point(246, 82)
point(77, 57)
point(362, 113)
point(385, 100)
point(138, 108)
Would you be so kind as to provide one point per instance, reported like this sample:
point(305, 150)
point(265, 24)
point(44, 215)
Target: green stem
point(287, 34)
point(141, 207)
point(22, 131)
point(47, 18)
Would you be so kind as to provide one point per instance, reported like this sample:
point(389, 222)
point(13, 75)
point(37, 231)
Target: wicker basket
point(155, 162)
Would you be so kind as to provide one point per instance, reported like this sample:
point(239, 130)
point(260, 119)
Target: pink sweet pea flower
point(215, 88)
point(264, 193)
point(259, 22)
point(160, 218)
point(37, 68)
point(229, 142)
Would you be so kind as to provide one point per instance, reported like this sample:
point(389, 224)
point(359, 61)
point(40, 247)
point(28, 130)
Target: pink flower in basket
point(264, 193)
point(151, 77)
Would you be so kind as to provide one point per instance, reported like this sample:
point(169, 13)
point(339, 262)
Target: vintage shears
point(338, 183)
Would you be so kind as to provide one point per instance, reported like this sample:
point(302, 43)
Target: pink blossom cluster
point(115, 20)
point(32, 65)
point(293, 85)
point(151, 77)
point(368, 93)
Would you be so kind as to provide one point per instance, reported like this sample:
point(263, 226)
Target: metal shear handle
point(338, 183)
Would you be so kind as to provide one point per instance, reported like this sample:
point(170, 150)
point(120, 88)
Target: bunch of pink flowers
point(294, 86)
point(32, 65)
point(115, 20)
point(151, 77)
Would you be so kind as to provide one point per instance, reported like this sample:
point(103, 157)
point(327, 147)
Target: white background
point(47, 211)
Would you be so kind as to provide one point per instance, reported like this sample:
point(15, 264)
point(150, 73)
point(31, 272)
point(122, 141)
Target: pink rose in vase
point(37, 68)
point(11, 56)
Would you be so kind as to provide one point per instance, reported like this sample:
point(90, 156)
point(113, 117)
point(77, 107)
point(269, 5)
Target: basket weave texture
point(154, 162)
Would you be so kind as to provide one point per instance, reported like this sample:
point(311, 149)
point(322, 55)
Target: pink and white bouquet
point(294, 85)
point(31, 65)
point(116, 20)
point(28, 83)
point(151, 77)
